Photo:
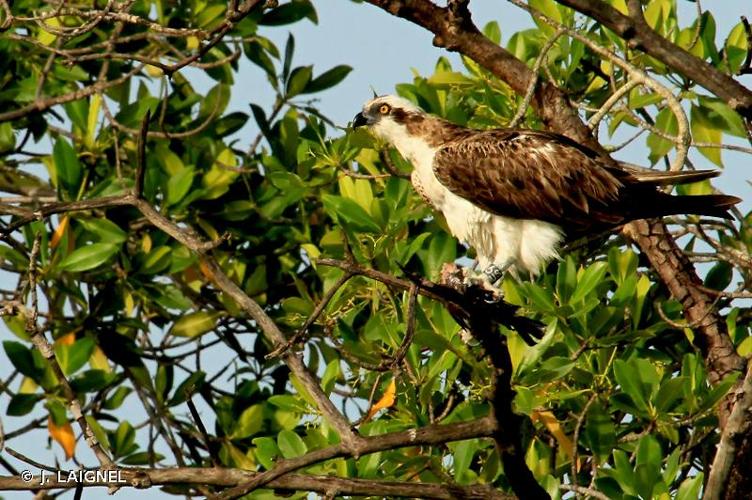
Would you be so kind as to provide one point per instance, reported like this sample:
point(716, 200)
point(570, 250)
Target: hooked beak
point(359, 120)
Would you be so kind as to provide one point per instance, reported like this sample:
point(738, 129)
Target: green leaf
point(648, 468)
point(195, 324)
point(7, 137)
point(179, 185)
point(187, 388)
point(566, 279)
point(736, 47)
point(669, 392)
point(250, 422)
point(721, 113)
point(92, 381)
point(122, 441)
point(88, 257)
point(299, 80)
point(288, 402)
point(690, 488)
point(327, 79)
point(628, 378)
point(157, 260)
point(21, 358)
point(68, 169)
point(463, 454)
point(116, 400)
point(106, 230)
point(74, 356)
point(289, 13)
point(256, 53)
point(98, 431)
point(230, 123)
point(703, 130)
point(266, 451)
point(289, 51)
point(331, 374)
point(22, 404)
point(493, 32)
point(349, 212)
point(719, 276)
point(667, 123)
point(290, 444)
point(77, 111)
point(590, 279)
point(237, 210)
point(600, 434)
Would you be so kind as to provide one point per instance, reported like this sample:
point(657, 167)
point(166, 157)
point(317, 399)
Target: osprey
point(517, 195)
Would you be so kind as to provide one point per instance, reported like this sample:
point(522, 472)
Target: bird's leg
point(494, 273)
point(489, 277)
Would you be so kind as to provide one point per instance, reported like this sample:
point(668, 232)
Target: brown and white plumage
point(516, 195)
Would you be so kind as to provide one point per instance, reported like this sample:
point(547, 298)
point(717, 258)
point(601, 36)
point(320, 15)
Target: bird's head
point(388, 117)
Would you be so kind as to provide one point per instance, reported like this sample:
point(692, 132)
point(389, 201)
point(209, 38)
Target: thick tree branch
point(508, 435)
point(735, 437)
point(638, 35)
point(429, 435)
point(146, 478)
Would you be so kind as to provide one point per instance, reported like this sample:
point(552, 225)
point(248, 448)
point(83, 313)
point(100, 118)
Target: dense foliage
point(616, 397)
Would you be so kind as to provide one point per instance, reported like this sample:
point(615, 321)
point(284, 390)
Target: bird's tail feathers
point(715, 205)
point(663, 178)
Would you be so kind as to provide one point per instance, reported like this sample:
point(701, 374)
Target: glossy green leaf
point(88, 257)
point(72, 357)
point(68, 169)
point(290, 444)
point(327, 79)
point(195, 324)
point(299, 79)
point(179, 185)
point(349, 212)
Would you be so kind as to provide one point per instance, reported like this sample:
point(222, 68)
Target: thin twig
point(40, 342)
point(530, 92)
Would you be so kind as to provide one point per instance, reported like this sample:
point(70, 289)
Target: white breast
point(528, 243)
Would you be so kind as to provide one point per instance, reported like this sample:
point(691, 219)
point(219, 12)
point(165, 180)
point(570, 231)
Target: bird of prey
point(516, 195)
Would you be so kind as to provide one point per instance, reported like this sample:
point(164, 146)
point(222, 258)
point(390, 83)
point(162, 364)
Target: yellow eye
point(384, 109)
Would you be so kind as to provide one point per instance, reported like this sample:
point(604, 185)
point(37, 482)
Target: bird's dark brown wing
point(533, 175)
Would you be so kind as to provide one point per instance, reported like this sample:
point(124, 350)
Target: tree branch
point(145, 478)
point(638, 35)
point(737, 429)
point(429, 435)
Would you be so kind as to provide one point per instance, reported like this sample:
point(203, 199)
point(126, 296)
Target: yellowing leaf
point(153, 71)
point(28, 386)
point(45, 36)
point(99, 360)
point(146, 244)
point(59, 232)
point(63, 434)
point(95, 103)
point(551, 423)
point(386, 401)
point(67, 339)
point(130, 304)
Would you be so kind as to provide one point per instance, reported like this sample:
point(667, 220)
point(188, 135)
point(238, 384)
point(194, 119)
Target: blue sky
point(383, 51)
